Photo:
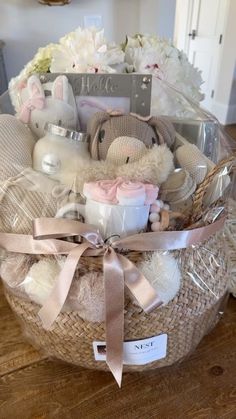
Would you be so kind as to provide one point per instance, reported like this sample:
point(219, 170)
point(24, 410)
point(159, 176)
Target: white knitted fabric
point(86, 295)
point(16, 144)
point(41, 278)
point(23, 198)
point(24, 193)
point(163, 273)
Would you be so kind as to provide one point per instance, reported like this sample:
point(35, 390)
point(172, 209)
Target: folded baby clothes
point(102, 190)
point(25, 197)
point(190, 158)
point(130, 193)
point(16, 143)
point(121, 192)
point(118, 207)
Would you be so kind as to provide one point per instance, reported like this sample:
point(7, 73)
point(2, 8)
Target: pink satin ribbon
point(118, 269)
point(35, 102)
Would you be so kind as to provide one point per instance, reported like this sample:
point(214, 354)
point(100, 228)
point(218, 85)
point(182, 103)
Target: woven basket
point(186, 319)
point(230, 231)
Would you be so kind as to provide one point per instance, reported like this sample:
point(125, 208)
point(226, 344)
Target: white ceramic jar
point(116, 220)
point(58, 151)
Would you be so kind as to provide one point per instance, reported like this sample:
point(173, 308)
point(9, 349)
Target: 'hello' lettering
point(91, 85)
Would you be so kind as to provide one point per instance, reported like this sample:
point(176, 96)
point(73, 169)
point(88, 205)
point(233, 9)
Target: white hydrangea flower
point(85, 51)
point(149, 54)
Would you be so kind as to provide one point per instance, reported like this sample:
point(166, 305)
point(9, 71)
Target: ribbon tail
point(140, 287)
point(114, 303)
point(53, 305)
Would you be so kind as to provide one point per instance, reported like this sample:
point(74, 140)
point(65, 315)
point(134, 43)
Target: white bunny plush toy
point(52, 102)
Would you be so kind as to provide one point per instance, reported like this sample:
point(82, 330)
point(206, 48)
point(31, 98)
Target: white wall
point(157, 16)
point(225, 92)
point(125, 19)
point(25, 25)
point(232, 100)
point(166, 18)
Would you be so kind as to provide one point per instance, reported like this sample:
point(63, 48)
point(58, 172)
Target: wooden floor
point(231, 130)
point(202, 387)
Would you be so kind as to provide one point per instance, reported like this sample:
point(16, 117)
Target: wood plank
point(14, 351)
point(231, 130)
point(202, 387)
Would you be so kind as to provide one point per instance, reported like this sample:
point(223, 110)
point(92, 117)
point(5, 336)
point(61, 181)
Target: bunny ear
point(164, 129)
point(93, 128)
point(34, 87)
point(60, 89)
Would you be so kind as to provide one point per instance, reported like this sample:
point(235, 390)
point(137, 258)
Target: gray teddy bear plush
point(121, 139)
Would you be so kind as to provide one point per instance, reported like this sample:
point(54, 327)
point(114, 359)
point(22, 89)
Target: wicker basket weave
point(186, 319)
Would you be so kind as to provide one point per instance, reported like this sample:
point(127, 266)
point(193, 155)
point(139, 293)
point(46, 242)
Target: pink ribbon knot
point(35, 102)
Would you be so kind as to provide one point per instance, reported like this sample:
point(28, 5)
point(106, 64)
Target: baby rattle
point(162, 218)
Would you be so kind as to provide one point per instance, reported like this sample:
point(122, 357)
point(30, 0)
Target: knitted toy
point(122, 139)
point(192, 160)
point(125, 146)
point(50, 102)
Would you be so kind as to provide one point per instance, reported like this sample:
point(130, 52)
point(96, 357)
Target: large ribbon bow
point(118, 269)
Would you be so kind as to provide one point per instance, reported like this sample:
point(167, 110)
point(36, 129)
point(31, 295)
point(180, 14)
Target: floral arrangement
point(87, 51)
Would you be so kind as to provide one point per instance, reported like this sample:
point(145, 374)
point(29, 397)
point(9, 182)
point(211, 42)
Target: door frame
point(183, 17)
point(182, 25)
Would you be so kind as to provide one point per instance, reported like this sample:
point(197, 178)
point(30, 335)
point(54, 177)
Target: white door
point(202, 40)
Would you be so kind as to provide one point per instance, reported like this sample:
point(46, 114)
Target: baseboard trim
point(226, 114)
point(231, 116)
